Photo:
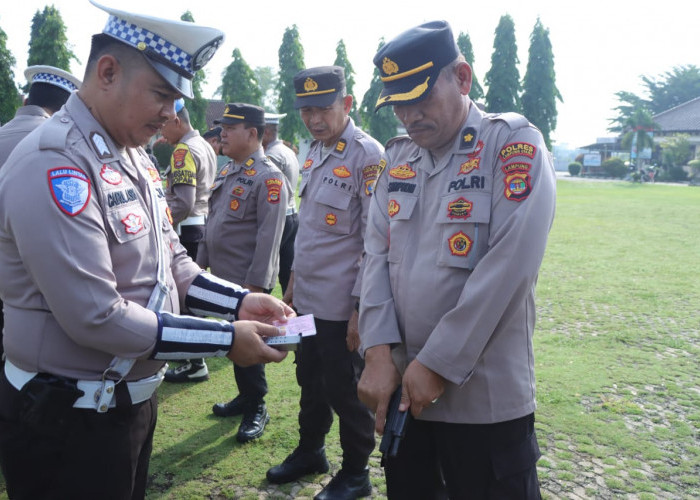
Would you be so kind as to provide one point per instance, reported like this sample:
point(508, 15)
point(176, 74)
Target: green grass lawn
point(616, 346)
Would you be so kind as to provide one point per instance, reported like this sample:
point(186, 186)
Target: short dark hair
point(259, 128)
point(184, 115)
point(47, 96)
point(104, 44)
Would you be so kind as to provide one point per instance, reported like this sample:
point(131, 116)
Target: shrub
point(574, 168)
point(162, 151)
point(614, 167)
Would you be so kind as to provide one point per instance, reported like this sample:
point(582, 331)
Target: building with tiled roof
point(683, 119)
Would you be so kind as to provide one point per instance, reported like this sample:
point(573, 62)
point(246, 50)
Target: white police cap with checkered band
point(53, 76)
point(175, 49)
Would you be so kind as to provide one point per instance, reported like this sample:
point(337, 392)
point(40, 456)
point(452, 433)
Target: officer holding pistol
point(92, 300)
point(456, 234)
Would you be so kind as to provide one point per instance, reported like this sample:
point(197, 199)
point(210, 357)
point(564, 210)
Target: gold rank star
point(468, 137)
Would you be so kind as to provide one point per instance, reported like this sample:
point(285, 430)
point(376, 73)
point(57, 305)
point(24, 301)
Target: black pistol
point(394, 427)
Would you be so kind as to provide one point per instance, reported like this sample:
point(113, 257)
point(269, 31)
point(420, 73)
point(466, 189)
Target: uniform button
point(64, 120)
point(103, 408)
point(110, 390)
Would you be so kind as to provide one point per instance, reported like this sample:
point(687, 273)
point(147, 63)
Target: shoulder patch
point(274, 186)
point(70, 189)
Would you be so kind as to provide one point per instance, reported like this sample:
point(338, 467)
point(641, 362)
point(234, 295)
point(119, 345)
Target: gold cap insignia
point(310, 85)
point(389, 67)
point(226, 110)
point(141, 46)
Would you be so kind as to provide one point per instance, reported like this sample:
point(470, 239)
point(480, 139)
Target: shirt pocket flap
point(473, 208)
point(401, 207)
point(334, 198)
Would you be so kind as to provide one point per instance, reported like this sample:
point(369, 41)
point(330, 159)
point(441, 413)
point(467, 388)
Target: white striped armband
point(212, 296)
point(186, 337)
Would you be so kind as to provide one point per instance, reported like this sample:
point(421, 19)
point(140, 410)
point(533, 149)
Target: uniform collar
point(101, 144)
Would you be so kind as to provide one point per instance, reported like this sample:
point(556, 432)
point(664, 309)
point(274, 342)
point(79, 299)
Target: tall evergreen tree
point(381, 125)
point(48, 43)
point(465, 47)
point(10, 99)
point(341, 59)
point(239, 83)
point(503, 79)
point(267, 79)
point(197, 107)
point(675, 87)
point(539, 88)
point(291, 61)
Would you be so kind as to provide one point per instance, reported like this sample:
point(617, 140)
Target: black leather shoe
point(252, 426)
point(230, 409)
point(298, 464)
point(346, 486)
point(188, 372)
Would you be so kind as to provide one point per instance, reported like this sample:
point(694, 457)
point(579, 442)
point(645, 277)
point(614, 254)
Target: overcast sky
point(600, 47)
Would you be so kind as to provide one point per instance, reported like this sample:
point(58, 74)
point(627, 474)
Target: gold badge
point(141, 46)
point(460, 244)
point(469, 166)
point(389, 67)
point(402, 172)
point(460, 208)
point(235, 204)
point(331, 219)
point(310, 85)
point(249, 162)
point(238, 191)
point(340, 147)
point(393, 208)
point(251, 172)
point(342, 172)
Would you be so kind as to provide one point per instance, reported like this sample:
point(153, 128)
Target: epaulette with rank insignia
point(54, 134)
point(513, 120)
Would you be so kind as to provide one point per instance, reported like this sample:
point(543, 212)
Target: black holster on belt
point(47, 402)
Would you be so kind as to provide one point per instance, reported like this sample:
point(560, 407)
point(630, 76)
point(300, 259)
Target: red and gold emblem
point(251, 172)
point(235, 204)
point(342, 172)
point(308, 163)
point(459, 244)
point(402, 172)
point(179, 157)
point(460, 208)
point(169, 215)
point(517, 149)
point(393, 208)
point(331, 219)
point(469, 166)
point(153, 172)
point(238, 190)
point(517, 181)
point(273, 190)
point(132, 223)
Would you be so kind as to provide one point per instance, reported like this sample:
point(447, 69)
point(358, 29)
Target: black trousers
point(190, 237)
point(93, 455)
point(289, 234)
point(439, 460)
point(328, 374)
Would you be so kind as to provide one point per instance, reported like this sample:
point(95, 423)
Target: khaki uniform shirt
point(192, 163)
point(285, 159)
point(246, 218)
point(26, 119)
point(78, 252)
point(335, 192)
point(452, 255)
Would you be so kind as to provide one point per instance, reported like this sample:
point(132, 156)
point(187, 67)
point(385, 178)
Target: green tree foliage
point(291, 61)
point(540, 92)
point(381, 125)
point(638, 132)
point(465, 47)
point(239, 83)
point(267, 79)
point(341, 59)
point(676, 150)
point(10, 99)
point(675, 87)
point(503, 79)
point(48, 43)
point(197, 107)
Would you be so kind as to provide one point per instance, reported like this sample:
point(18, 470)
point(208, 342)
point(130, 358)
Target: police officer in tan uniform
point(456, 233)
point(336, 184)
point(49, 90)
point(286, 160)
point(92, 299)
point(188, 182)
point(242, 239)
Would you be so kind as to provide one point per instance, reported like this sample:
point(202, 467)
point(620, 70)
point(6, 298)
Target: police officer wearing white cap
point(286, 160)
point(456, 233)
point(49, 90)
point(336, 186)
point(92, 299)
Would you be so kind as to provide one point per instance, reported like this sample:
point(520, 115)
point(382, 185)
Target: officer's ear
point(107, 69)
point(463, 74)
